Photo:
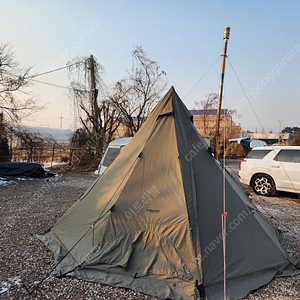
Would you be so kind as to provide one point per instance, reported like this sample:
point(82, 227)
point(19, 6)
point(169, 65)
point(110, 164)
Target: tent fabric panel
point(239, 287)
point(142, 252)
point(163, 287)
point(104, 192)
point(161, 211)
point(152, 195)
point(183, 125)
point(249, 235)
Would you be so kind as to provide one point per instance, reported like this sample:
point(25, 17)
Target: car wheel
point(263, 185)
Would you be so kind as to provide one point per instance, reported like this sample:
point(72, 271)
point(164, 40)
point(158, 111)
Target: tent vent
point(135, 275)
point(164, 115)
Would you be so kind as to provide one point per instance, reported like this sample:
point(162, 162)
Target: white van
point(113, 150)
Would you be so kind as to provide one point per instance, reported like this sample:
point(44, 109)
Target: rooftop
point(211, 112)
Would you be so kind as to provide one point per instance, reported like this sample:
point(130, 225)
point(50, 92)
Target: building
point(205, 122)
point(122, 131)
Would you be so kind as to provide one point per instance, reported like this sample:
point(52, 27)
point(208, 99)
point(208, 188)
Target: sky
point(185, 38)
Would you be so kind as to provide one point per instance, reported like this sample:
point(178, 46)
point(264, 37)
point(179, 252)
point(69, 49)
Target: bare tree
point(29, 145)
point(98, 117)
point(206, 107)
point(4, 147)
point(15, 99)
point(136, 95)
point(101, 110)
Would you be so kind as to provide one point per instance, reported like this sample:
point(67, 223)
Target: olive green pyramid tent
point(152, 221)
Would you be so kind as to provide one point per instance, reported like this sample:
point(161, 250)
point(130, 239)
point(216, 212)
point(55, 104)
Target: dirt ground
point(31, 207)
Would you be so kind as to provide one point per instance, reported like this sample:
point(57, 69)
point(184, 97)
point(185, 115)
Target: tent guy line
point(201, 78)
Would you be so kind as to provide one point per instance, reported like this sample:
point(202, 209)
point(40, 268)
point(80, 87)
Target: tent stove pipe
point(217, 136)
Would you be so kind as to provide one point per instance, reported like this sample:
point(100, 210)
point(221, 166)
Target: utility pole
point(61, 121)
point(217, 137)
point(279, 137)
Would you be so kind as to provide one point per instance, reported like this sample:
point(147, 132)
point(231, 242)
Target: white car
point(272, 168)
point(113, 150)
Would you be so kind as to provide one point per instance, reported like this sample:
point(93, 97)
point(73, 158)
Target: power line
point(62, 68)
point(51, 71)
point(51, 84)
point(48, 72)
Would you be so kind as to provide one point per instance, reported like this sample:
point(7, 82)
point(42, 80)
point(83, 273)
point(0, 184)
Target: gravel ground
point(31, 207)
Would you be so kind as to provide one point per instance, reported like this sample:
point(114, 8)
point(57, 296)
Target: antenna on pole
point(217, 135)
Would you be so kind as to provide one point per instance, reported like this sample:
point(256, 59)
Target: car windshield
point(110, 156)
point(257, 154)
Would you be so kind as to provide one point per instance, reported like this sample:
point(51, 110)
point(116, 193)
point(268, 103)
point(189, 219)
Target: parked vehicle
point(248, 143)
point(272, 168)
point(113, 150)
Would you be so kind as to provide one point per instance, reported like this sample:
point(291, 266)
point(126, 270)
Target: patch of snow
point(47, 165)
point(16, 280)
point(4, 181)
point(3, 290)
point(5, 286)
point(24, 178)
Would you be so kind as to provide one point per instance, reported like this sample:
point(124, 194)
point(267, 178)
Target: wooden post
point(94, 91)
point(52, 159)
point(217, 135)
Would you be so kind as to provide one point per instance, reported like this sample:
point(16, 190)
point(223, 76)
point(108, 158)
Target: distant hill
point(62, 136)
